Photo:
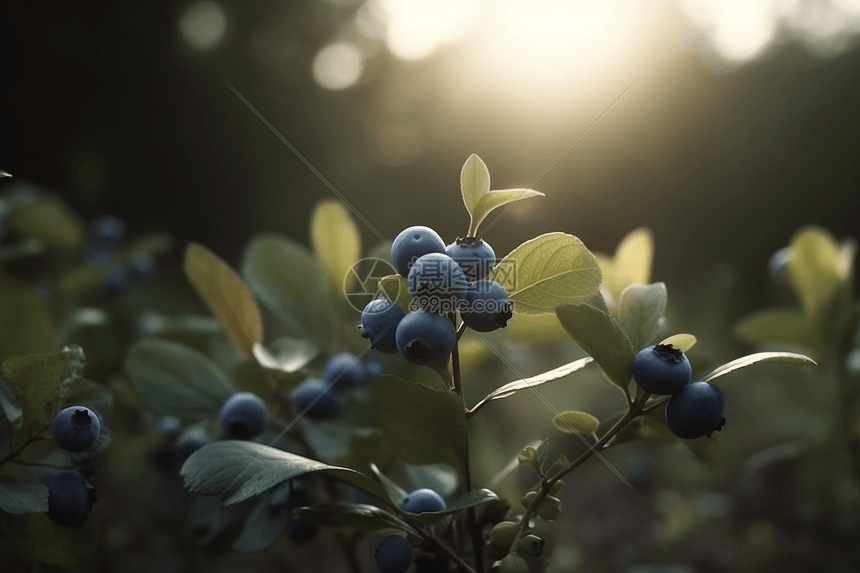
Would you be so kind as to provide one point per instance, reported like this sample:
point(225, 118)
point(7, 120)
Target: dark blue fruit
point(393, 555)
point(437, 283)
point(315, 398)
point(412, 243)
point(696, 411)
point(70, 499)
point(777, 266)
point(661, 369)
point(344, 370)
point(372, 371)
point(187, 447)
point(108, 229)
point(423, 500)
point(487, 307)
point(76, 428)
point(379, 321)
point(425, 338)
point(142, 266)
point(475, 256)
point(243, 416)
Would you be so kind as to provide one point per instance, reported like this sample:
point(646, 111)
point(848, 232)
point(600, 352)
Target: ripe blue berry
point(76, 428)
point(475, 256)
point(243, 416)
point(169, 426)
point(437, 283)
point(109, 229)
point(372, 371)
point(393, 555)
point(661, 369)
point(142, 266)
point(412, 243)
point(423, 500)
point(487, 307)
point(344, 370)
point(188, 447)
point(777, 266)
point(425, 338)
point(696, 411)
point(70, 499)
point(116, 280)
point(314, 398)
point(379, 321)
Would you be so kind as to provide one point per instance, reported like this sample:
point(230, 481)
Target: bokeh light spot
point(203, 25)
point(338, 66)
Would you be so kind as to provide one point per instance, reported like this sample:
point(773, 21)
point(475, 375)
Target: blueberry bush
point(340, 397)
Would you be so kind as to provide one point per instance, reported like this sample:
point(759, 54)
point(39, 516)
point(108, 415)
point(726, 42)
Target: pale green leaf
point(226, 295)
point(494, 199)
point(26, 327)
point(571, 421)
point(631, 263)
point(814, 269)
point(546, 272)
point(639, 310)
point(683, 342)
point(423, 425)
point(336, 242)
point(50, 220)
point(600, 335)
point(760, 358)
point(787, 326)
point(474, 183)
point(262, 527)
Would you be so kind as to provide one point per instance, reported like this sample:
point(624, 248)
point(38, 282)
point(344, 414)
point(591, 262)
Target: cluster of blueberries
point(107, 234)
point(441, 279)
point(70, 495)
point(317, 397)
point(394, 554)
point(694, 410)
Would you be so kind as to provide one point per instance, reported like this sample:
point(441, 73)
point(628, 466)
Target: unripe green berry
point(528, 499)
point(512, 563)
point(549, 508)
point(514, 514)
point(531, 545)
point(556, 488)
point(502, 536)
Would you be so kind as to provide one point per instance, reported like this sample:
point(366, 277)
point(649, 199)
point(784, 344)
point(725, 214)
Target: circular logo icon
point(361, 283)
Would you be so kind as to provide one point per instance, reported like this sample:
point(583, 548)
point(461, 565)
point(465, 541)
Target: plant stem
point(29, 441)
point(474, 532)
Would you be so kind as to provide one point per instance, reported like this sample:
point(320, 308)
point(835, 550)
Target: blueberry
point(168, 426)
point(243, 416)
point(142, 266)
point(76, 428)
point(344, 370)
point(315, 398)
point(437, 283)
point(696, 411)
point(379, 321)
point(661, 369)
point(70, 499)
point(187, 447)
point(412, 243)
point(423, 500)
point(475, 256)
point(108, 229)
point(487, 307)
point(393, 555)
point(425, 338)
point(116, 280)
point(99, 253)
point(372, 371)
point(777, 266)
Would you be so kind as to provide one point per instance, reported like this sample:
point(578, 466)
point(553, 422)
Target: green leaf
point(423, 425)
point(26, 328)
point(262, 528)
point(787, 326)
point(474, 184)
point(23, 497)
point(683, 342)
point(814, 269)
point(50, 220)
point(561, 463)
point(631, 263)
point(493, 199)
point(529, 457)
point(226, 295)
point(368, 447)
point(639, 310)
point(171, 378)
point(546, 272)
point(355, 516)
point(336, 242)
point(761, 357)
point(512, 388)
point(395, 288)
point(542, 452)
point(287, 355)
point(288, 281)
point(471, 499)
point(600, 335)
point(242, 469)
point(571, 421)
point(35, 379)
point(394, 493)
point(536, 328)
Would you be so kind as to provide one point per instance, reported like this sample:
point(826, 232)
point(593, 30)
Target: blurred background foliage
point(740, 128)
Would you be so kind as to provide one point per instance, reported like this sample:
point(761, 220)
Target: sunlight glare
point(338, 66)
point(203, 25)
point(416, 28)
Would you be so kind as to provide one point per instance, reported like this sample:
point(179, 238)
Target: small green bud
point(556, 488)
point(528, 498)
point(549, 508)
point(531, 545)
point(512, 563)
point(504, 532)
